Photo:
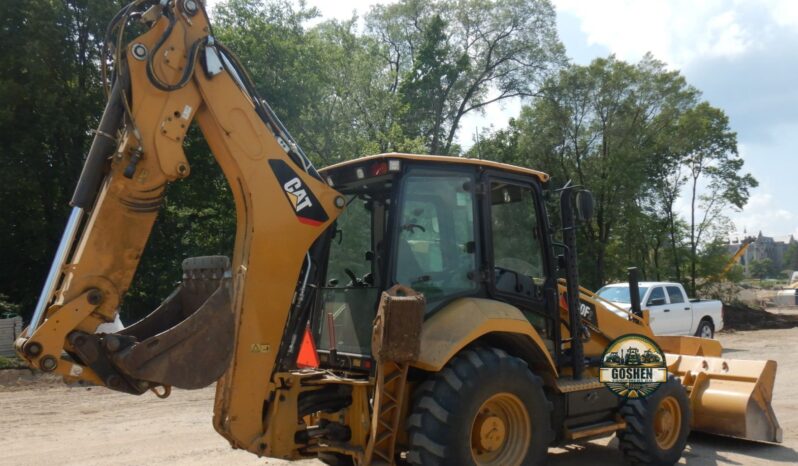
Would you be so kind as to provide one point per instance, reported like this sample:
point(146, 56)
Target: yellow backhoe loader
point(444, 323)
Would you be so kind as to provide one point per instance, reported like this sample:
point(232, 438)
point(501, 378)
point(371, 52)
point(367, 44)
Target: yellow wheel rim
point(667, 423)
point(500, 432)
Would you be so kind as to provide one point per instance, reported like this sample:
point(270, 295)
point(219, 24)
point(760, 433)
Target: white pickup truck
point(670, 311)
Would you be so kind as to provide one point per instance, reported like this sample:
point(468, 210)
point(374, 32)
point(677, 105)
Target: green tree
point(760, 268)
point(460, 56)
point(709, 152)
point(50, 98)
point(790, 260)
point(594, 125)
point(427, 86)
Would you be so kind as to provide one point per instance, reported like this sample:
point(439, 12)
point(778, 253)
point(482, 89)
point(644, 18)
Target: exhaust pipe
point(634, 292)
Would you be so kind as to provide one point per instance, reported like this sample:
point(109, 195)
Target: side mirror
point(584, 206)
point(656, 301)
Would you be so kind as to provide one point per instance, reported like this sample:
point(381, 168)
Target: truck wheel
point(705, 329)
point(484, 408)
point(657, 426)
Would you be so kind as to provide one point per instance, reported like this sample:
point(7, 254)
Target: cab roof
point(543, 177)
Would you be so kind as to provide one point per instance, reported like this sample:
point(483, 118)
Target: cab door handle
point(667, 310)
point(687, 309)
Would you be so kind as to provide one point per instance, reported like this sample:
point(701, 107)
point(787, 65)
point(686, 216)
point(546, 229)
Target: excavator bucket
point(729, 397)
point(186, 342)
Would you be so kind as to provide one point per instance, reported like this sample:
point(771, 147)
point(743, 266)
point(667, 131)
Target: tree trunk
point(674, 248)
point(655, 250)
point(693, 246)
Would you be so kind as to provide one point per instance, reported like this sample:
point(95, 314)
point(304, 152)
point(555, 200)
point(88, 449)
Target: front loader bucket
point(187, 342)
point(729, 397)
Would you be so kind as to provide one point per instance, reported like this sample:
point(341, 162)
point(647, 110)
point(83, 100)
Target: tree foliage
point(790, 261)
point(638, 136)
point(761, 268)
point(449, 58)
point(50, 97)
point(635, 134)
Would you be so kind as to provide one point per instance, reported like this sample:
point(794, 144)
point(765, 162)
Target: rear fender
point(468, 320)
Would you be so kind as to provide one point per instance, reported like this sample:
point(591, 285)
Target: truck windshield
point(619, 294)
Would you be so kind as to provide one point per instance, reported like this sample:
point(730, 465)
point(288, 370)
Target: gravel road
point(47, 423)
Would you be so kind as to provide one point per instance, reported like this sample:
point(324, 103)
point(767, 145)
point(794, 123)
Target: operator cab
point(447, 227)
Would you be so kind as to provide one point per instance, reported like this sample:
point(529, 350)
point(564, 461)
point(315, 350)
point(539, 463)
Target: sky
point(740, 54)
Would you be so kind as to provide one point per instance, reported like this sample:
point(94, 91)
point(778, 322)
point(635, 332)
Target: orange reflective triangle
point(307, 352)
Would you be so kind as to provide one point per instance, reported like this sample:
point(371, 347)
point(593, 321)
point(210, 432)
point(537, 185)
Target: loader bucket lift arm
point(227, 316)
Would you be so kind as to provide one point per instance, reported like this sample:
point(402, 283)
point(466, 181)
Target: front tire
point(485, 408)
point(656, 426)
point(705, 329)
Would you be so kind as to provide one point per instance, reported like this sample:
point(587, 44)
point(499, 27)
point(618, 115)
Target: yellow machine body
point(229, 321)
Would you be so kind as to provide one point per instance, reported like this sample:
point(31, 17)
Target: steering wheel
point(354, 280)
point(410, 226)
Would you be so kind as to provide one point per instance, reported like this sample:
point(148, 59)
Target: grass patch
point(11, 363)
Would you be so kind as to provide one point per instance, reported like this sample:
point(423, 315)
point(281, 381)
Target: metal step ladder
point(388, 401)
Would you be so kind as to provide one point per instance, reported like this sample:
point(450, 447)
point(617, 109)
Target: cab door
point(518, 251)
point(664, 321)
point(680, 310)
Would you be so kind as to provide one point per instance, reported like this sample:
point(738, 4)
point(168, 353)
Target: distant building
point(765, 247)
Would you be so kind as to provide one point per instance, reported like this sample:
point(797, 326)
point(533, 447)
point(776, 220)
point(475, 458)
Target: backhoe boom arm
point(227, 317)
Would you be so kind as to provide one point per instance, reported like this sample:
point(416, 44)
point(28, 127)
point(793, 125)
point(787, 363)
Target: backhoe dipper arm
point(228, 318)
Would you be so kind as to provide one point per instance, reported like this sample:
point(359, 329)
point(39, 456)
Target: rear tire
point(484, 408)
point(336, 459)
point(656, 426)
point(705, 329)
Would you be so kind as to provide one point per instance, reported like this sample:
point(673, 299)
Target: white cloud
point(724, 37)
point(676, 32)
point(764, 213)
point(784, 12)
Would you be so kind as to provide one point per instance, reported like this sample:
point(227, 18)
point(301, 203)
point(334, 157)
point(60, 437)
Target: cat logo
point(296, 195)
point(302, 200)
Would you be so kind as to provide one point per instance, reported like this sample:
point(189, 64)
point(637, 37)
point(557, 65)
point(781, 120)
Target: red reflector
point(379, 168)
point(307, 352)
point(366, 364)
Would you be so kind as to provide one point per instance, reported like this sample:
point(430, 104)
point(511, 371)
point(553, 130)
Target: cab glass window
point(350, 295)
point(675, 294)
point(657, 297)
point(435, 244)
point(517, 248)
point(350, 244)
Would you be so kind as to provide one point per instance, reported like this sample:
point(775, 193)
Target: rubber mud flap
point(187, 342)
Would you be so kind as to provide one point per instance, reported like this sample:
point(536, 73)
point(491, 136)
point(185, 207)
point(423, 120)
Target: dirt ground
point(48, 423)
